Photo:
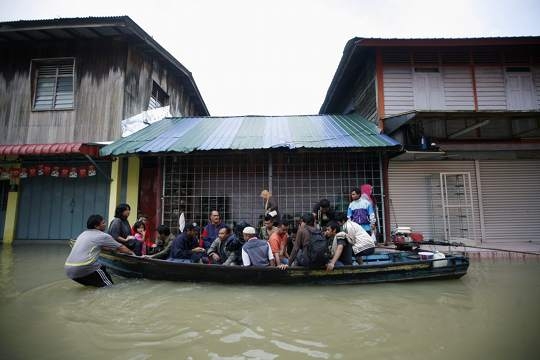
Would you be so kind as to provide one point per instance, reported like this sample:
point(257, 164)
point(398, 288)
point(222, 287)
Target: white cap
point(249, 230)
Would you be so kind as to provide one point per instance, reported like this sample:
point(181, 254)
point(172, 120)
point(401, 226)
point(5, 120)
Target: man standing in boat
point(211, 230)
point(255, 251)
point(81, 264)
point(323, 213)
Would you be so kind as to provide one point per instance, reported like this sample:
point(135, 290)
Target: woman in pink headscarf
point(366, 191)
point(362, 208)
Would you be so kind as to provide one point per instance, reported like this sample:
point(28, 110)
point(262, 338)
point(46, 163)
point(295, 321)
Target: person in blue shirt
point(211, 230)
point(185, 247)
point(361, 209)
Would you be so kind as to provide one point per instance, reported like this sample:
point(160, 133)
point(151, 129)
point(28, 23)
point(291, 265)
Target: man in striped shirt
point(81, 264)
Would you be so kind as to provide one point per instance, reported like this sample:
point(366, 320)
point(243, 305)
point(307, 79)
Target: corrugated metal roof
point(188, 134)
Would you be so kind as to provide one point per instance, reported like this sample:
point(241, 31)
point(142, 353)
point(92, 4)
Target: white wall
point(398, 90)
point(457, 86)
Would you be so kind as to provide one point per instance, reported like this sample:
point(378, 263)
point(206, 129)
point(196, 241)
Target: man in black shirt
point(323, 213)
point(340, 249)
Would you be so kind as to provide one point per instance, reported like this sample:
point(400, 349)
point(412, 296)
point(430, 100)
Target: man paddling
point(81, 264)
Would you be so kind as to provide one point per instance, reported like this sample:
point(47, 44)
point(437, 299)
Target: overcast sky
point(278, 57)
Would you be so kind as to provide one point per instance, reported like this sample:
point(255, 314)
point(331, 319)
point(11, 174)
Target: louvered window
point(54, 85)
point(159, 98)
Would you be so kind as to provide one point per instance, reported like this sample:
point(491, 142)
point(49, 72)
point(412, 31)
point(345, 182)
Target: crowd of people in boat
point(324, 239)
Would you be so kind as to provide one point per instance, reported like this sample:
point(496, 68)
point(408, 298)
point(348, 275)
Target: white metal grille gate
point(457, 206)
point(197, 184)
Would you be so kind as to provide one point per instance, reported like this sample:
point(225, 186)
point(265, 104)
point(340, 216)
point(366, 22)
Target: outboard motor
point(405, 239)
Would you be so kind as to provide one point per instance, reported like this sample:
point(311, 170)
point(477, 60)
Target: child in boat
point(139, 229)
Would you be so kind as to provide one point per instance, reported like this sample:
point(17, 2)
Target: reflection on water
point(490, 313)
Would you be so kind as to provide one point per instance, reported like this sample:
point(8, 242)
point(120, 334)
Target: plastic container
point(425, 255)
point(439, 256)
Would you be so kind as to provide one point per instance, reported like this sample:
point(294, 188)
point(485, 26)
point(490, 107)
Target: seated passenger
point(218, 252)
point(139, 232)
point(268, 228)
point(309, 238)
point(185, 247)
point(362, 243)
point(340, 249)
point(210, 231)
point(120, 229)
point(163, 242)
point(278, 243)
point(256, 252)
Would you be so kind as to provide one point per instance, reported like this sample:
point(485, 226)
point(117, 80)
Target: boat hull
point(399, 268)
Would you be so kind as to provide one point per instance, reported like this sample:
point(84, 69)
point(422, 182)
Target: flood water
point(491, 313)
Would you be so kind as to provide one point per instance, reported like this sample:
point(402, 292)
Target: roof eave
point(502, 41)
point(159, 49)
point(348, 52)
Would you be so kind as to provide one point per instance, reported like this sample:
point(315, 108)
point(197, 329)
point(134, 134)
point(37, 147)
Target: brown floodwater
point(491, 313)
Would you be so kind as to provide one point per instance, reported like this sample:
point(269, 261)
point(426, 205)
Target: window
point(159, 98)
point(54, 84)
point(428, 89)
point(520, 92)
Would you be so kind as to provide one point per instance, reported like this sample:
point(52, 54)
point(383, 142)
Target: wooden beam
point(379, 71)
point(132, 191)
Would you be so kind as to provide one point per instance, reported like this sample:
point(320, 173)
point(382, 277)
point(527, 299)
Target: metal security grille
point(195, 185)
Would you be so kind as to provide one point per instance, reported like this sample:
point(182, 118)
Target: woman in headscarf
point(362, 208)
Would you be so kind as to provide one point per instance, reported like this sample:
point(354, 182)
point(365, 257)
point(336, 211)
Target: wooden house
point(467, 112)
point(65, 87)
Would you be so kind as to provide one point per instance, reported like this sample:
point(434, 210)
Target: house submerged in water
point(446, 130)
point(65, 87)
point(467, 112)
point(223, 163)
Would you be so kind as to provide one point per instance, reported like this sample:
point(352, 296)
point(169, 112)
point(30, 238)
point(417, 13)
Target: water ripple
point(237, 337)
point(302, 350)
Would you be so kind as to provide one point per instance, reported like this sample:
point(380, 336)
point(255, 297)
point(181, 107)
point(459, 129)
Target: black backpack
point(317, 253)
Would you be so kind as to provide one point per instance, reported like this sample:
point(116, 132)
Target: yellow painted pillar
point(11, 210)
point(114, 193)
point(11, 217)
point(132, 191)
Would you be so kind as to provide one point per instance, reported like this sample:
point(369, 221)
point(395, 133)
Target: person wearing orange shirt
point(278, 243)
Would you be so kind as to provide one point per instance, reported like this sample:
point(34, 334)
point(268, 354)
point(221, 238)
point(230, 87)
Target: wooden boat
point(377, 268)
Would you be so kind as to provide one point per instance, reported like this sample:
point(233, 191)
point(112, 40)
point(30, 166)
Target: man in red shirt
point(278, 243)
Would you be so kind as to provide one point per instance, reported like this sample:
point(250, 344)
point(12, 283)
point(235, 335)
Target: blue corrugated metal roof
point(187, 134)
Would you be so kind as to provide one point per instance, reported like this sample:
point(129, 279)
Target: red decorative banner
point(14, 172)
point(4, 173)
point(83, 171)
point(24, 173)
point(64, 172)
point(72, 172)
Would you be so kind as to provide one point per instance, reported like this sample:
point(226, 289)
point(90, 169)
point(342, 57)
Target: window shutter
point(54, 85)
